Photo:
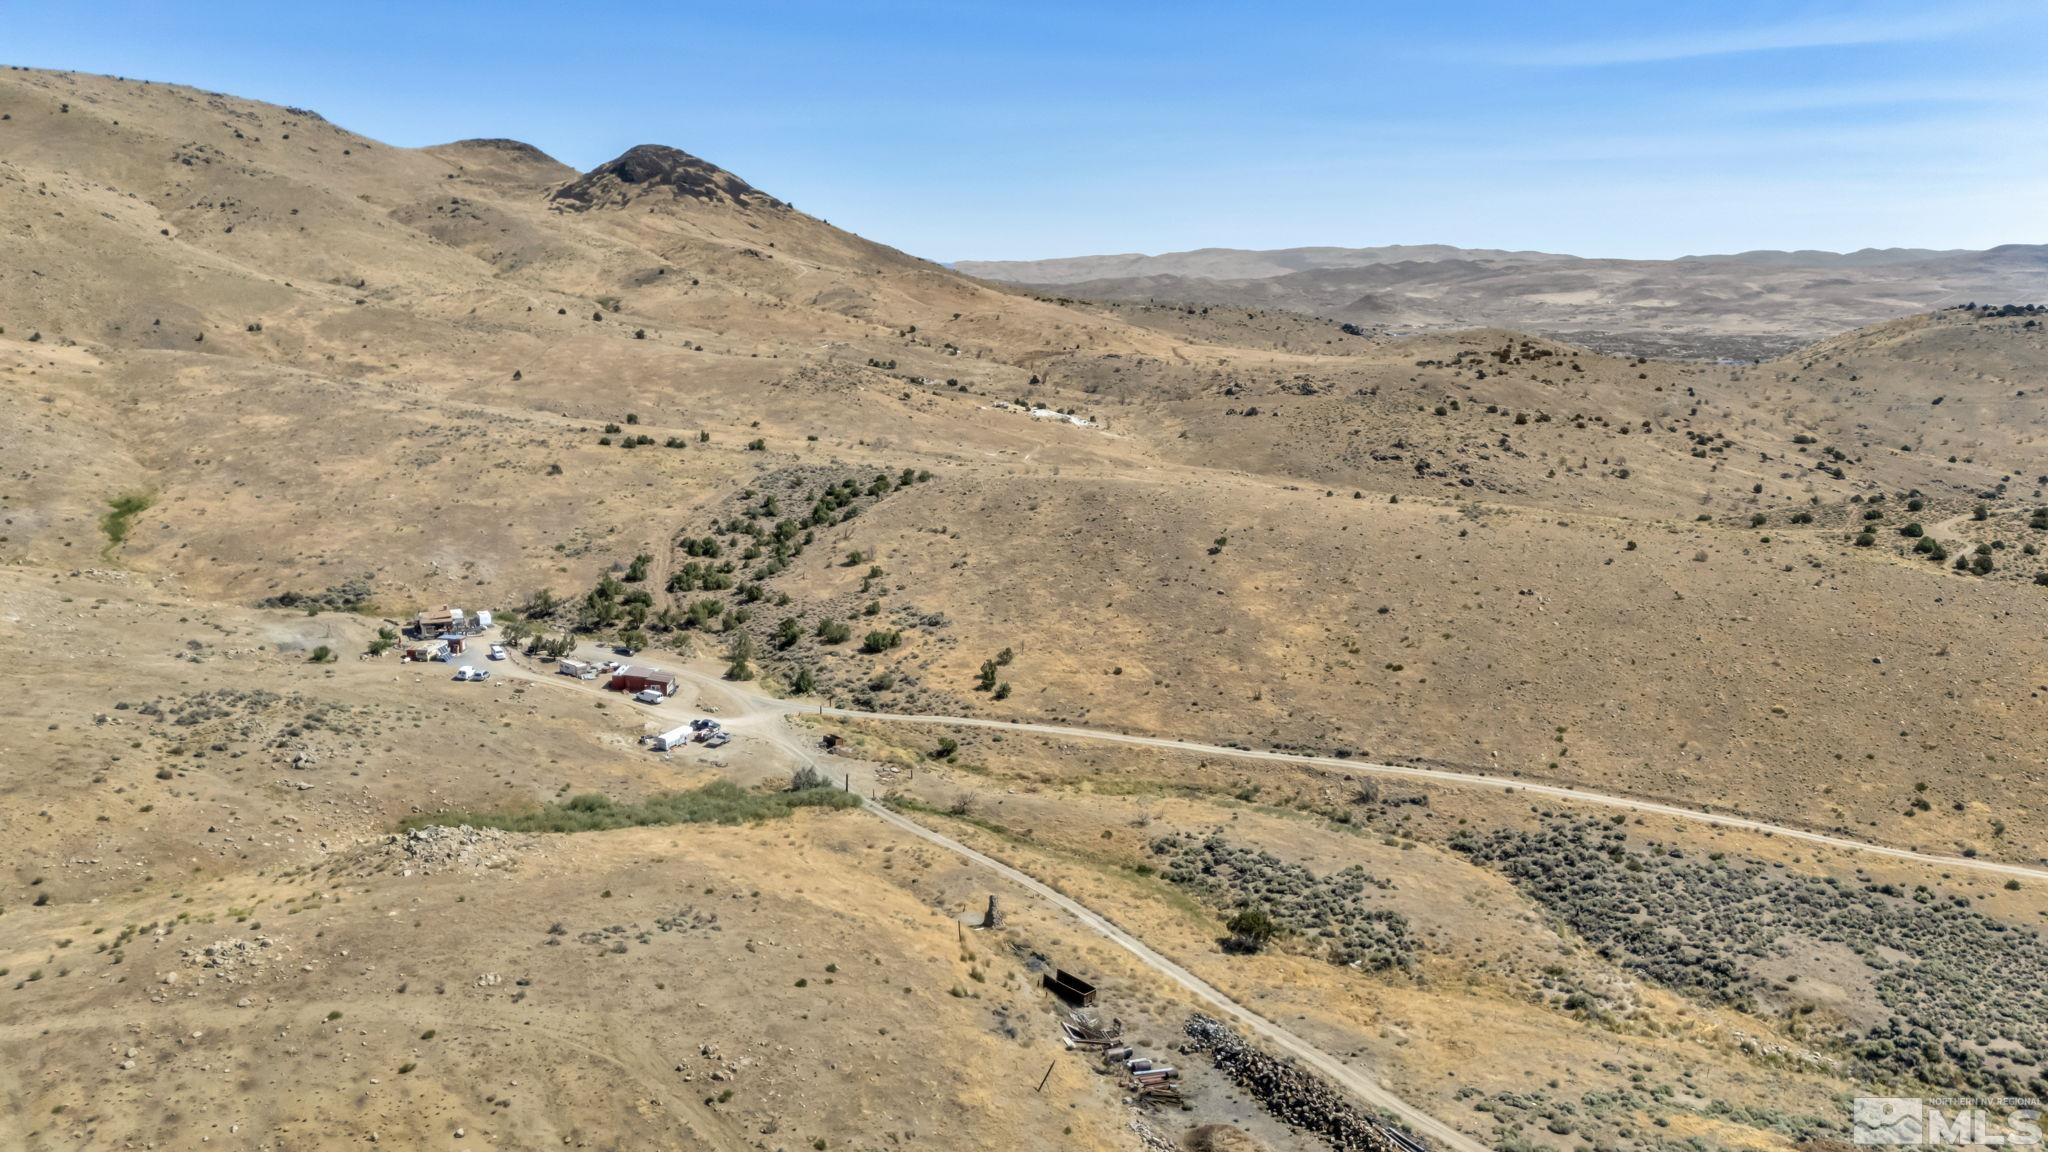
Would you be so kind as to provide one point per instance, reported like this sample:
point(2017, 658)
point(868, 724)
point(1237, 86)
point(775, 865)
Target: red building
point(635, 678)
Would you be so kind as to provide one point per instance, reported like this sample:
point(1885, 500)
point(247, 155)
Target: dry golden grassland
point(268, 387)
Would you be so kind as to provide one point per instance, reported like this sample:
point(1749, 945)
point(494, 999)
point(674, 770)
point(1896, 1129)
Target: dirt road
point(762, 716)
point(1358, 1083)
point(1436, 775)
point(748, 705)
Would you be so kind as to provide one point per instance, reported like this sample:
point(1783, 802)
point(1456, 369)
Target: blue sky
point(1021, 130)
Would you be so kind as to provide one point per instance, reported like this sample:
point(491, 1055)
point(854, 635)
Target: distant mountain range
point(1744, 304)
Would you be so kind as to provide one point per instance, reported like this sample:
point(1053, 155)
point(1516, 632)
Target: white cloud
point(1837, 32)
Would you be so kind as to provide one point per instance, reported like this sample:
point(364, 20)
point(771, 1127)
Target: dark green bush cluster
point(719, 802)
point(348, 596)
point(1331, 910)
point(1966, 994)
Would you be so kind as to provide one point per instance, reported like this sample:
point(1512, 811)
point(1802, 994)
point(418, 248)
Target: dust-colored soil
point(268, 387)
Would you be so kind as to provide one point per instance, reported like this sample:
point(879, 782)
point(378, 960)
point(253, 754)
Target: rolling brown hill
point(267, 386)
point(1748, 305)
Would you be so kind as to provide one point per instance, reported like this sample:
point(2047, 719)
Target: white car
point(649, 696)
point(497, 651)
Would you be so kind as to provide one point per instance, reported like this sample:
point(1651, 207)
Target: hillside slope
point(321, 361)
point(269, 386)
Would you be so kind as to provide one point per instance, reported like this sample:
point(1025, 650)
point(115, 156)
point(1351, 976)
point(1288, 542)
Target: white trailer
point(673, 738)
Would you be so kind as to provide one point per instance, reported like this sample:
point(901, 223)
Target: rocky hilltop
point(649, 169)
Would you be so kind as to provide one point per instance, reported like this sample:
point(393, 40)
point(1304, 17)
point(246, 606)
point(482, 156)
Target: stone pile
point(439, 848)
point(235, 958)
point(1291, 1093)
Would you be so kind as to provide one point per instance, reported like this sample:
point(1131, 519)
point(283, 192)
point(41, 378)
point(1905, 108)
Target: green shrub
point(1251, 929)
point(121, 512)
point(719, 802)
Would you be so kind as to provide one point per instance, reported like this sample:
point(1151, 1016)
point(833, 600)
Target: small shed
point(1069, 987)
point(639, 677)
point(426, 650)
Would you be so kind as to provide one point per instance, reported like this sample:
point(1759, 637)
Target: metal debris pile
point(1085, 1030)
point(1146, 1081)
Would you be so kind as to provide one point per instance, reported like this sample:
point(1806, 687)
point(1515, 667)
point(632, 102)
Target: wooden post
point(1046, 1077)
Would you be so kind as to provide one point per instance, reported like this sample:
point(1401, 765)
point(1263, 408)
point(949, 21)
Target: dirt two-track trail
point(1359, 1084)
point(753, 704)
point(765, 716)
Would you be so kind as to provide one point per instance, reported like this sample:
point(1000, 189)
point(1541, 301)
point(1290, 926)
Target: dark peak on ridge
point(643, 169)
point(518, 148)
